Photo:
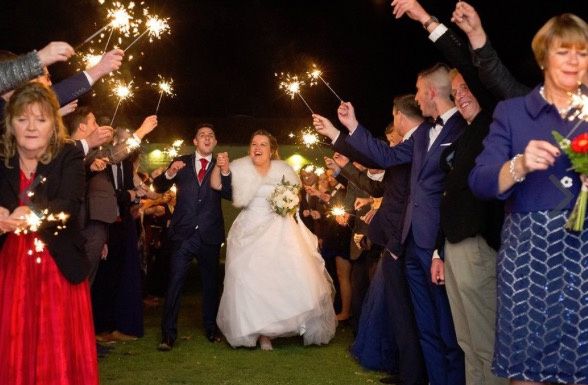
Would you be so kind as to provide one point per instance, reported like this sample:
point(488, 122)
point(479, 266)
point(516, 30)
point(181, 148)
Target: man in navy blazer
point(196, 231)
point(443, 357)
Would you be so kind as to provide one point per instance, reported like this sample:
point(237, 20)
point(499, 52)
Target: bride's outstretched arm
point(222, 166)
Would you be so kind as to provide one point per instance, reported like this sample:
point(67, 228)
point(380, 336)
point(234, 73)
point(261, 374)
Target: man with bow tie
point(196, 231)
point(425, 273)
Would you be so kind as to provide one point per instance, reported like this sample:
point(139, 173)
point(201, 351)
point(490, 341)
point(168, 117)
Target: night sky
point(223, 55)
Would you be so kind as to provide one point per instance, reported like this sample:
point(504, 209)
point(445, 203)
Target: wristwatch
point(430, 21)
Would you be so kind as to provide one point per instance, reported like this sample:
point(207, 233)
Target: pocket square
point(445, 144)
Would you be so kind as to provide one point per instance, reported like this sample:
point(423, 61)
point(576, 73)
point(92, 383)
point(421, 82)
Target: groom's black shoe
point(213, 336)
point(166, 345)
point(394, 379)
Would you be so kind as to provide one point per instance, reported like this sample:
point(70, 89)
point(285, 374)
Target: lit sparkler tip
point(157, 26)
point(291, 84)
point(308, 168)
point(122, 90)
point(310, 138)
point(166, 86)
point(319, 171)
point(91, 59)
point(337, 211)
point(132, 143)
point(177, 143)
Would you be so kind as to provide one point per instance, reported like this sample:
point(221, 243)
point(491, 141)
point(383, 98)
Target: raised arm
point(492, 72)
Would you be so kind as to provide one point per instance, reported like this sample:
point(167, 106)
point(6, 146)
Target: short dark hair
point(202, 125)
point(72, 120)
point(408, 106)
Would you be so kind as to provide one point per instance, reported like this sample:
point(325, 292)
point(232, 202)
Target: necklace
point(29, 171)
point(564, 110)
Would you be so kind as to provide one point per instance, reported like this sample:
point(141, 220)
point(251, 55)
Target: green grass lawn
point(194, 360)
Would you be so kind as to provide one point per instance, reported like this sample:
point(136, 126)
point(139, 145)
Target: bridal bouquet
point(577, 151)
point(285, 198)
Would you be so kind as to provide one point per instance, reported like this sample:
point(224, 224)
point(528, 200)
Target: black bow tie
point(438, 121)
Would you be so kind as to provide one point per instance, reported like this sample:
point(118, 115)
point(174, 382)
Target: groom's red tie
point(202, 172)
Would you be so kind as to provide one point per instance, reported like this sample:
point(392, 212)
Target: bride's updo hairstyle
point(272, 140)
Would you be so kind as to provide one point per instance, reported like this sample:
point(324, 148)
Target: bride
point(275, 280)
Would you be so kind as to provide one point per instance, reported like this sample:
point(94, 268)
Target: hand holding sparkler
point(324, 126)
point(100, 136)
point(68, 108)
point(346, 114)
point(99, 164)
point(107, 63)
point(315, 74)
point(54, 52)
point(173, 169)
point(331, 165)
point(466, 18)
point(8, 224)
point(340, 159)
point(147, 126)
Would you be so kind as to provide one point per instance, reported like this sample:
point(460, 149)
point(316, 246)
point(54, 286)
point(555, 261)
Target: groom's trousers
point(207, 256)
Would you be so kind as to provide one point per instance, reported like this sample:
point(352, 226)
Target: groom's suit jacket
point(198, 206)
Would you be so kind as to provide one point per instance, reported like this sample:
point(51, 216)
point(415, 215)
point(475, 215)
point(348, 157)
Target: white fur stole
point(245, 179)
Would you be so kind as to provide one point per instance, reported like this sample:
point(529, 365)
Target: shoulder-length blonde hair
point(567, 29)
point(273, 142)
point(23, 98)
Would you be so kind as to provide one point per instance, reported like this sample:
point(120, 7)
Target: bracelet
point(511, 169)
point(430, 21)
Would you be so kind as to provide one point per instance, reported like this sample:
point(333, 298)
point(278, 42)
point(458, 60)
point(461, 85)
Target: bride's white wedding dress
point(275, 280)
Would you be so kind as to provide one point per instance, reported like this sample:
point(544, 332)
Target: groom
point(196, 231)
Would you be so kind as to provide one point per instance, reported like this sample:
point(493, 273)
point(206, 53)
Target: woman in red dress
point(46, 329)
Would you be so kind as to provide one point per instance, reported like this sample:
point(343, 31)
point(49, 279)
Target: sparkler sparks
point(122, 91)
point(579, 111)
point(156, 26)
point(90, 59)
point(33, 221)
point(314, 75)
point(164, 87)
point(291, 86)
point(337, 211)
point(120, 18)
point(174, 150)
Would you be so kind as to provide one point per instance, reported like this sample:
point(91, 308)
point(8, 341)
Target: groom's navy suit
point(443, 357)
point(196, 231)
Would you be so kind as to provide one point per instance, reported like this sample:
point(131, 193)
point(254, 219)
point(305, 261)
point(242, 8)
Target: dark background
point(223, 56)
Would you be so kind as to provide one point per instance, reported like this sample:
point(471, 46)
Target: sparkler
point(174, 149)
point(120, 19)
point(90, 59)
point(309, 138)
point(319, 171)
point(123, 91)
point(156, 26)
point(33, 221)
point(291, 86)
point(579, 108)
point(164, 87)
point(338, 211)
point(316, 74)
